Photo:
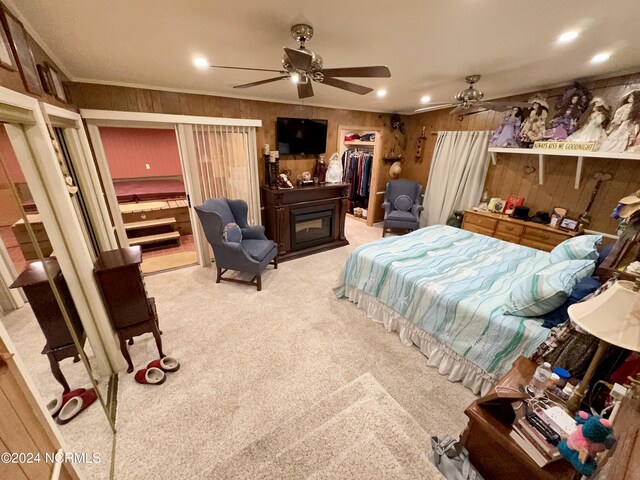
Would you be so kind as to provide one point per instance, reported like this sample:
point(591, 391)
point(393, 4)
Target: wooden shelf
point(365, 144)
point(580, 155)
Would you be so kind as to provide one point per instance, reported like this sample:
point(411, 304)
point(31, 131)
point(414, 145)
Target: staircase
point(156, 233)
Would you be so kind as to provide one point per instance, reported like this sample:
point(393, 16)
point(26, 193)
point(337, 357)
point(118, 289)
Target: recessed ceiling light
point(381, 93)
point(600, 57)
point(567, 37)
point(201, 62)
point(425, 99)
point(295, 77)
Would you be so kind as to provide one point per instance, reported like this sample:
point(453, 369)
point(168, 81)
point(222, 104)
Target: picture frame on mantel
point(45, 79)
point(22, 52)
point(7, 60)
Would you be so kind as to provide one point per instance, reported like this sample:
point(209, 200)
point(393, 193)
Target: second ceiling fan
point(302, 66)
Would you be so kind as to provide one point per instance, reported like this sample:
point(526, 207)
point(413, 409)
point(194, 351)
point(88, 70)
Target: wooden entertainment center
point(305, 220)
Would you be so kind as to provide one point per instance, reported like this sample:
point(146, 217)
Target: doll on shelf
point(533, 127)
point(592, 125)
point(569, 110)
point(506, 135)
point(623, 128)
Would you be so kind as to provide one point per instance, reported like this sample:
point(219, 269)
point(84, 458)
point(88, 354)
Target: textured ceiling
point(429, 45)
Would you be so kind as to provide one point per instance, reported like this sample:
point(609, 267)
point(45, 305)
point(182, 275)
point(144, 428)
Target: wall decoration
point(506, 135)
point(623, 128)
point(45, 79)
point(592, 125)
point(7, 59)
point(534, 126)
point(58, 88)
point(22, 52)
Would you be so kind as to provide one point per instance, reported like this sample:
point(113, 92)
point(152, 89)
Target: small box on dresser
point(529, 234)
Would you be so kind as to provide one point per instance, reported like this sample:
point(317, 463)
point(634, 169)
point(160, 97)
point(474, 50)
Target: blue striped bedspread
point(451, 283)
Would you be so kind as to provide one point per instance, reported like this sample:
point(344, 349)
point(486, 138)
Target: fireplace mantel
point(283, 207)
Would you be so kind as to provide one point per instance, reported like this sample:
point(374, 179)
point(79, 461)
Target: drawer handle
point(508, 229)
point(545, 237)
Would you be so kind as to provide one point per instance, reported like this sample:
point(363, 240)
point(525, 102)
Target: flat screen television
point(301, 136)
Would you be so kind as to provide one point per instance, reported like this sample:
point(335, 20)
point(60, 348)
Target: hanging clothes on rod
point(357, 165)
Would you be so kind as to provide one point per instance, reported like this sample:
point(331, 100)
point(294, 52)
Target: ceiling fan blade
point(435, 106)
point(305, 90)
point(380, 71)
point(260, 82)
point(300, 59)
point(458, 110)
point(350, 87)
point(247, 68)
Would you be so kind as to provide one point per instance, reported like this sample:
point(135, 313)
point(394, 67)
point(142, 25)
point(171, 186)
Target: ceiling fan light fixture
point(425, 99)
point(201, 62)
point(381, 93)
point(295, 78)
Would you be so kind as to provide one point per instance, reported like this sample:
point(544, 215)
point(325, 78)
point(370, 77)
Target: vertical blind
point(227, 164)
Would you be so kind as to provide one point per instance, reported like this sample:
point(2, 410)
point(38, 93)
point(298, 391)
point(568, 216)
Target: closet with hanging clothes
point(359, 149)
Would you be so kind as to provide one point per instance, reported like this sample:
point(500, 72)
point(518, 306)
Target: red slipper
point(56, 404)
point(166, 364)
point(150, 376)
point(75, 405)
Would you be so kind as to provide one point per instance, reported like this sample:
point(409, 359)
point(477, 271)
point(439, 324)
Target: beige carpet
point(253, 361)
point(357, 432)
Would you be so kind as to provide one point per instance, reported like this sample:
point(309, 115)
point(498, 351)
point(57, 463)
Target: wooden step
point(160, 237)
point(149, 223)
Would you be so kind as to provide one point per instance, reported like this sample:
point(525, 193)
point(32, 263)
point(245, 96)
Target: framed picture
point(45, 79)
point(496, 205)
point(557, 216)
point(6, 54)
point(569, 224)
point(22, 52)
point(512, 202)
point(58, 88)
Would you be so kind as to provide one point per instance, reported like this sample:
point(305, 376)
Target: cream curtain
point(227, 165)
point(456, 178)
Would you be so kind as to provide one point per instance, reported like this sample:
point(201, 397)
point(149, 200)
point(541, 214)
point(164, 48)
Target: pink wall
point(10, 157)
point(129, 149)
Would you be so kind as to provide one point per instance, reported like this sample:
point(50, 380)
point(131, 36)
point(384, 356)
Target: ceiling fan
point(469, 101)
point(302, 66)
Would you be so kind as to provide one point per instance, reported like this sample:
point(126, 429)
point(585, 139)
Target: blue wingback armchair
point(402, 205)
point(250, 255)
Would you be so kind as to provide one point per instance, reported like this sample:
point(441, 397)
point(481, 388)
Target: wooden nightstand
point(491, 449)
point(529, 234)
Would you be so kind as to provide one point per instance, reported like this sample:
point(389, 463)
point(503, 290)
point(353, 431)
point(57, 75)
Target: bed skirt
point(448, 362)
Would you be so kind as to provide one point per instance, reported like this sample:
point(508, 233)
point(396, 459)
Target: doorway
point(145, 171)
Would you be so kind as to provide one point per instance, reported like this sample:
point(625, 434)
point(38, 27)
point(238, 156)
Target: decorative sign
point(570, 146)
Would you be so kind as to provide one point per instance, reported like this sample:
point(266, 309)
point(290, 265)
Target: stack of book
point(539, 433)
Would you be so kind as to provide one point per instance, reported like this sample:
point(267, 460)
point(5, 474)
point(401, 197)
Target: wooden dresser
point(529, 234)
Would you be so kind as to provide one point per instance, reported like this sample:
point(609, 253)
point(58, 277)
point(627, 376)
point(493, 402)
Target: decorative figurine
point(533, 127)
point(506, 135)
point(334, 171)
point(623, 128)
point(283, 182)
point(569, 110)
point(592, 125)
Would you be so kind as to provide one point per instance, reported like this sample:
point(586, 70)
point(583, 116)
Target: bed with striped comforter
point(442, 288)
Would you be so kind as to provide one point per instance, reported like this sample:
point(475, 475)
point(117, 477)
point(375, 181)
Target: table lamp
point(614, 318)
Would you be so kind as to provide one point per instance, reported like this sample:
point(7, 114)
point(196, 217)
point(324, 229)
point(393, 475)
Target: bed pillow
point(232, 233)
point(542, 292)
point(403, 203)
point(584, 287)
point(582, 247)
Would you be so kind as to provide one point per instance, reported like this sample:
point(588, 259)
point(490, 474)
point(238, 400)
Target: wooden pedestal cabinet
point(131, 311)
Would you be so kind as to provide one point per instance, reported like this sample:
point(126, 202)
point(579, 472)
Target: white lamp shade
point(612, 316)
